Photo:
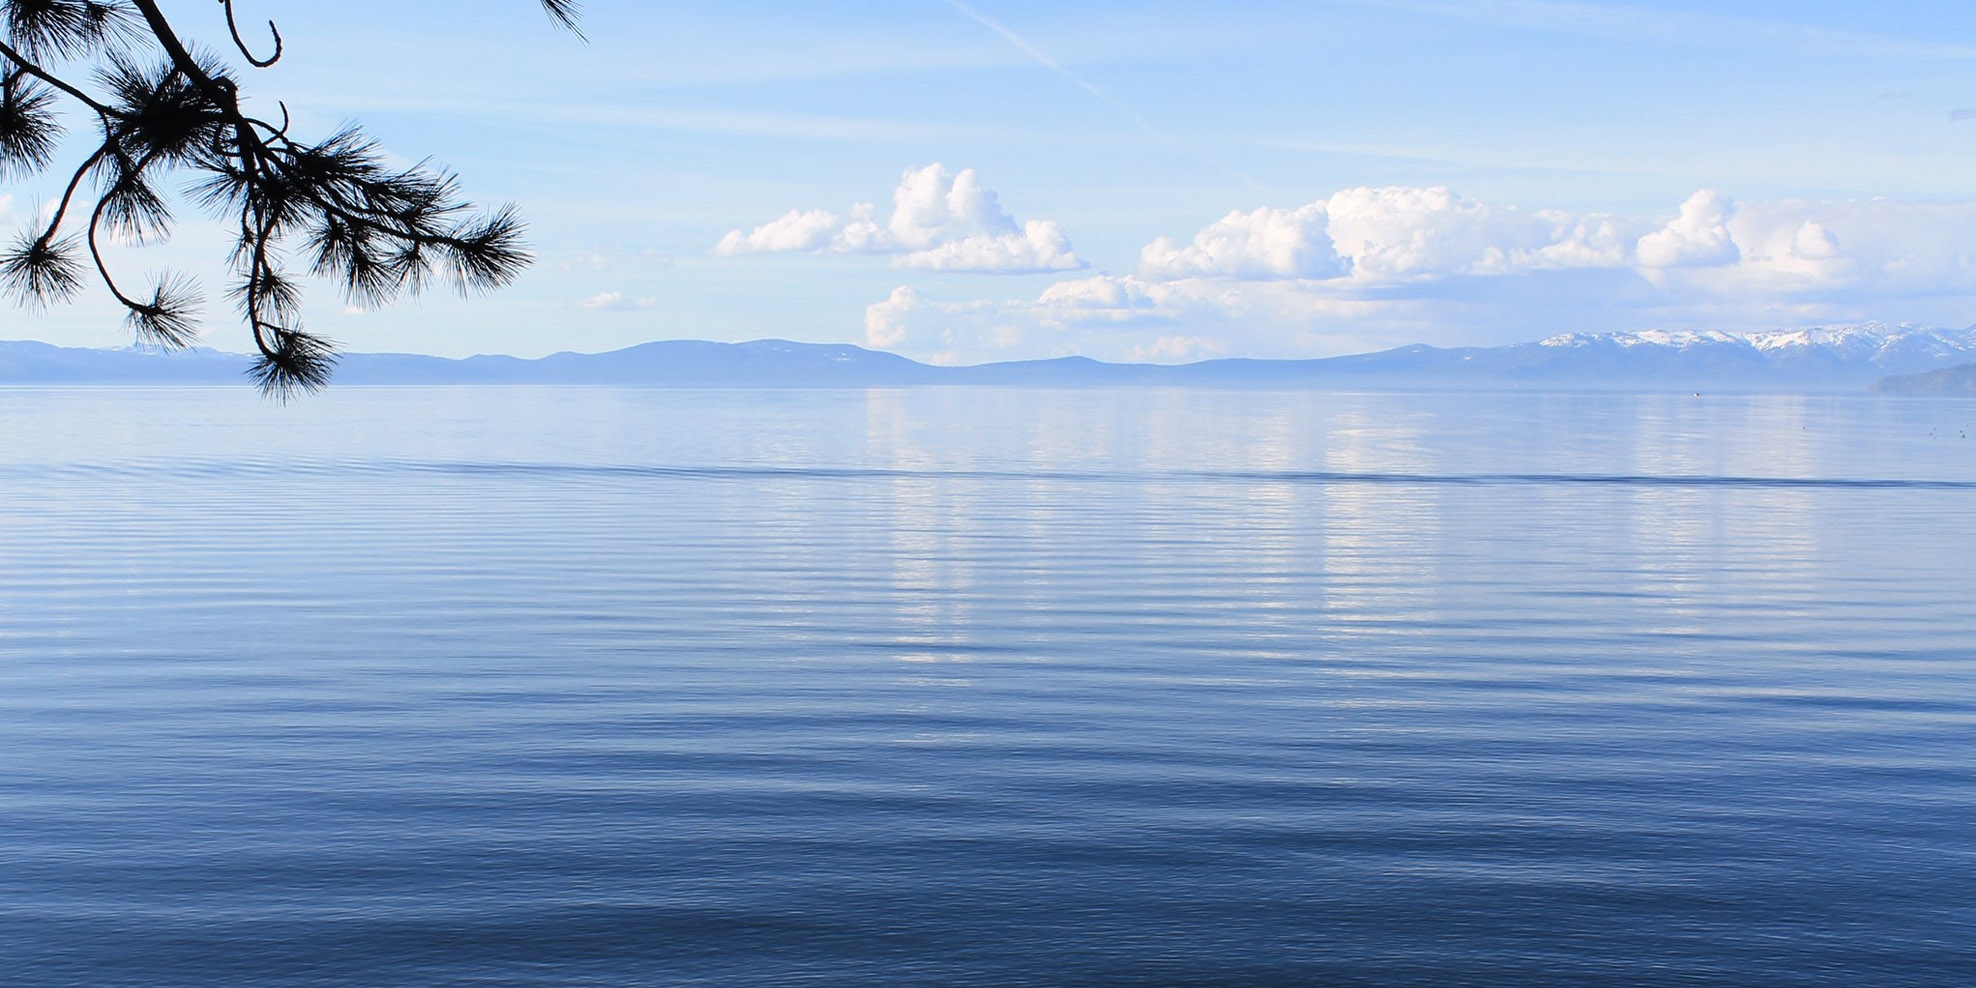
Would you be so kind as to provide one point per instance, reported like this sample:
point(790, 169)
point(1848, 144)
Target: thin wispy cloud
point(714, 122)
point(1043, 58)
point(1138, 119)
point(1622, 21)
point(615, 302)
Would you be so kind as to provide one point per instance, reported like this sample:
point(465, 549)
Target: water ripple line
point(319, 467)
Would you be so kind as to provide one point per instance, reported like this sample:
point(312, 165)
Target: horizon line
point(1735, 334)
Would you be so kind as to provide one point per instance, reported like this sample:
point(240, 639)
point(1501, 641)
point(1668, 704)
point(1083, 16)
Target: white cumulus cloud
point(886, 322)
point(1697, 237)
point(1398, 233)
point(1040, 246)
point(940, 221)
point(798, 229)
point(1369, 268)
point(933, 207)
point(1388, 235)
point(1264, 243)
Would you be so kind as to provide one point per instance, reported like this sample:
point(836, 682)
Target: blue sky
point(996, 179)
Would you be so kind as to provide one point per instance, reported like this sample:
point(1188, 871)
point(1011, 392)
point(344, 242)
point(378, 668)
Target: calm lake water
point(545, 687)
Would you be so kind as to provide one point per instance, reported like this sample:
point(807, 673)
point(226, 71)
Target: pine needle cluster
point(162, 109)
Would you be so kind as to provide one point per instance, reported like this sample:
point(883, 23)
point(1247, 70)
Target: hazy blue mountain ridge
point(1841, 358)
point(1949, 382)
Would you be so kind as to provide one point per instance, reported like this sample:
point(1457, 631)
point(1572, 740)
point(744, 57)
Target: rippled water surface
point(541, 687)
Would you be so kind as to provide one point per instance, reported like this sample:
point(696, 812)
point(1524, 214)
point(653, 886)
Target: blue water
point(541, 687)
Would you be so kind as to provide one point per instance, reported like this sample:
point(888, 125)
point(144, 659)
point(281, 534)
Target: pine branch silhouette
point(160, 106)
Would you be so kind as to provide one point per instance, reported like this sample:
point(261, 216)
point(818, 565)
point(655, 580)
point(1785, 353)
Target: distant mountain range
point(1836, 358)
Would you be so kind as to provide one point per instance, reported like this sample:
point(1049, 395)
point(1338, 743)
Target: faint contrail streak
point(1053, 65)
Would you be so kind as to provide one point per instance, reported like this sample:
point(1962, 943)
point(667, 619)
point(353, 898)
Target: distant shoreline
point(1888, 359)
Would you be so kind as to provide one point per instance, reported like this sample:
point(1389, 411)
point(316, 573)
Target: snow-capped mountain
point(1879, 343)
point(1813, 357)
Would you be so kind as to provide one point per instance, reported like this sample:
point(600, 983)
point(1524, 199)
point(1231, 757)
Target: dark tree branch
point(380, 232)
point(68, 194)
point(233, 28)
point(39, 73)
